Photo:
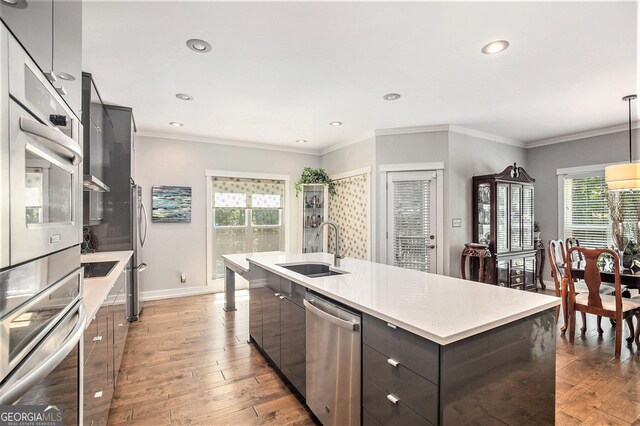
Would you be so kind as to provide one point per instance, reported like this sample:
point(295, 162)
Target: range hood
point(92, 183)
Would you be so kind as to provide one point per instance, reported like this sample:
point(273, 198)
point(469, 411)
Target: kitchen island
point(435, 349)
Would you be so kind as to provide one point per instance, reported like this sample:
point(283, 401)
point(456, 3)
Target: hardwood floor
point(187, 362)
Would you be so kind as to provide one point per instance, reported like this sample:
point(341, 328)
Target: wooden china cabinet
point(503, 219)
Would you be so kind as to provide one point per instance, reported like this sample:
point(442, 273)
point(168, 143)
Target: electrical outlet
point(183, 278)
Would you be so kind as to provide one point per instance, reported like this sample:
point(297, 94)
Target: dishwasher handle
point(351, 326)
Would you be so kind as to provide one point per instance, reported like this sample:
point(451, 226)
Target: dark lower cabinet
point(271, 326)
point(277, 325)
point(293, 343)
point(502, 376)
point(104, 342)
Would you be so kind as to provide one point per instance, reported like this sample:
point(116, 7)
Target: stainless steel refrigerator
point(139, 228)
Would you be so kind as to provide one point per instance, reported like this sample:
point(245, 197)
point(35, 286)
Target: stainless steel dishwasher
point(333, 362)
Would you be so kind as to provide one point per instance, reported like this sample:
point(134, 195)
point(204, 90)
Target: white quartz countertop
point(97, 289)
point(239, 263)
point(439, 308)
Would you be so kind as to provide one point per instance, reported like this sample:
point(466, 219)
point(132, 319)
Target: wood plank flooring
point(187, 362)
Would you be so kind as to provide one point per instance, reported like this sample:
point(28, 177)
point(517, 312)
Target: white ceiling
point(282, 71)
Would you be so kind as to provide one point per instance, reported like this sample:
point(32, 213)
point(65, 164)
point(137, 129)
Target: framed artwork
point(171, 204)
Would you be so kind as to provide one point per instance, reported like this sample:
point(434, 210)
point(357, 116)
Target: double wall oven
point(41, 310)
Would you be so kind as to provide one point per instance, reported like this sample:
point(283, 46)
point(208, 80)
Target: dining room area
point(594, 267)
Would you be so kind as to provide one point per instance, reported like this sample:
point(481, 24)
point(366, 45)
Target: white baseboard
point(175, 292)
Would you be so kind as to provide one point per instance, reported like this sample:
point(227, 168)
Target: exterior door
point(411, 220)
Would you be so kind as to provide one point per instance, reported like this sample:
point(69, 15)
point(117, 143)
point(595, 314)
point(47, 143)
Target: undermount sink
point(313, 270)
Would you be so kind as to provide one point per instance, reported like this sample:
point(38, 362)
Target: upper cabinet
point(51, 32)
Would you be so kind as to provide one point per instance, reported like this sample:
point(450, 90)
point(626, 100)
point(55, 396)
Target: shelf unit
point(503, 216)
point(313, 206)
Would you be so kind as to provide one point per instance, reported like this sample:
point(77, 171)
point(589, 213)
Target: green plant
point(310, 176)
point(536, 226)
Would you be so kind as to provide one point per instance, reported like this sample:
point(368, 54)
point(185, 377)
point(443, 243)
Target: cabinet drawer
point(292, 291)
point(273, 281)
point(517, 280)
point(517, 263)
point(382, 410)
point(414, 352)
point(416, 392)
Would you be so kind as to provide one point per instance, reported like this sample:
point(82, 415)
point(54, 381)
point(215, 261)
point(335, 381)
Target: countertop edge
point(96, 290)
point(441, 340)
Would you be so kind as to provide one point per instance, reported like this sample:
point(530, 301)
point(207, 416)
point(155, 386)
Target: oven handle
point(68, 145)
point(15, 388)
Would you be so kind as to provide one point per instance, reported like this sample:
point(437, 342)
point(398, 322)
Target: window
point(247, 217)
point(586, 210)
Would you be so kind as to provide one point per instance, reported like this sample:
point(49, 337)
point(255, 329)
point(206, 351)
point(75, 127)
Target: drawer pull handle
point(97, 339)
point(393, 362)
point(391, 325)
point(394, 399)
point(277, 294)
point(97, 395)
point(281, 297)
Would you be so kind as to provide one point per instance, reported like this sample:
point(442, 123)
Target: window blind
point(586, 212)
point(411, 224)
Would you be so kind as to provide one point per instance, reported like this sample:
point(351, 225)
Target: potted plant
point(536, 230)
point(315, 176)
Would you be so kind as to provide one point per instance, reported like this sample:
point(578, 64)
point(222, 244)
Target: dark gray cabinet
point(104, 342)
point(271, 319)
point(277, 325)
point(51, 32)
point(293, 344)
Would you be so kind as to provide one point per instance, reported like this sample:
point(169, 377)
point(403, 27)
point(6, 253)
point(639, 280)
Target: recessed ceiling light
point(176, 124)
point(184, 97)
point(391, 96)
point(198, 45)
point(301, 141)
point(335, 123)
point(494, 47)
point(65, 76)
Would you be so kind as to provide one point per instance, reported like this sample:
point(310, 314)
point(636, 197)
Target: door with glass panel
point(411, 220)
point(247, 217)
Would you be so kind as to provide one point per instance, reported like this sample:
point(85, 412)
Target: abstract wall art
point(171, 204)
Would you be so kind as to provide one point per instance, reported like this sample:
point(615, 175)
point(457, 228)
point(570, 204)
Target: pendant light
point(627, 175)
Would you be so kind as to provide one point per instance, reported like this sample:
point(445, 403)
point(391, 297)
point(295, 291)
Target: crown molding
point(241, 144)
point(353, 141)
point(487, 136)
point(583, 135)
point(410, 130)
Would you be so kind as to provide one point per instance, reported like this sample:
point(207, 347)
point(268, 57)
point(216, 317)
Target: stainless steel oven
point(41, 325)
point(44, 156)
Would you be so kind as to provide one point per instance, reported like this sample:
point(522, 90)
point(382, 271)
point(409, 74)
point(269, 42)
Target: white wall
point(350, 157)
point(173, 249)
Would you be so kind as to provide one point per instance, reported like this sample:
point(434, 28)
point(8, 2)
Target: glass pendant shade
point(623, 176)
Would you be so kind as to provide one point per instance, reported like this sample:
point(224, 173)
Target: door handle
point(70, 147)
point(328, 317)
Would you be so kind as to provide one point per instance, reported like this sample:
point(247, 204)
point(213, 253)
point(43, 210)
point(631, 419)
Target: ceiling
point(281, 71)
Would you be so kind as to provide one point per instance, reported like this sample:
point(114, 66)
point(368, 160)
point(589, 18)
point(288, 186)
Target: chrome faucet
point(336, 255)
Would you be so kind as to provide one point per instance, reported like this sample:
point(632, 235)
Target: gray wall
point(351, 157)
point(173, 249)
point(426, 147)
point(471, 156)
point(544, 161)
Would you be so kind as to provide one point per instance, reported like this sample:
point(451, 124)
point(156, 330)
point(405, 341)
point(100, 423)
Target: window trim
point(572, 173)
point(217, 285)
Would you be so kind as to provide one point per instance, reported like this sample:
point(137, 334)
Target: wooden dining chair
point(557, 260)
point(593, 302)
point(571, 243)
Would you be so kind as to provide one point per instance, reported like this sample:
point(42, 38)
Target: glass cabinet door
point(484, 213)
point(530, 272)
point(313, 215)
point(516, 217)
point(503, 273)
point(502, 222)
point(527, 216)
